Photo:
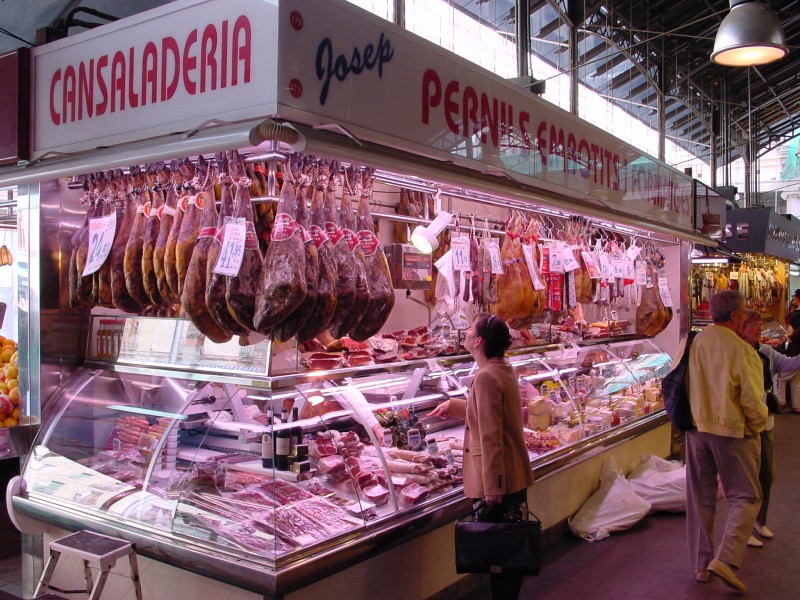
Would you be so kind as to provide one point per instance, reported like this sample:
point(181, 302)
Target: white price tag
point(556, 260)
point(663, 290)
point(633, 252)
point(538, 284)
point(101, 237)
point(641, 273)
point(617, 269)
point(734, 276)
point(460, 248)
point(628, 273)
point(494, 255)
point(605, 266)
point(232, 251)
point(570, 263)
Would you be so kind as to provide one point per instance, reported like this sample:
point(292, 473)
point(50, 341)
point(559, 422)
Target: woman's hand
point(441, 410)
point(492, 500)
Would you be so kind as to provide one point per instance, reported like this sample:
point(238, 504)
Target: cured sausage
point(283, 286)
point(216, 283)
point(381, 292)
point(328, 279)
point(241, 291)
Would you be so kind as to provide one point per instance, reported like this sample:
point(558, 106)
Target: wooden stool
point(90, 546)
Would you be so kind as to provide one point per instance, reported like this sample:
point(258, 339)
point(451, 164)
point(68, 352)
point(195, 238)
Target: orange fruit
point(10, 422)
point(13, 395)
point(11, 383)
point(15, 412)
point(11, 371)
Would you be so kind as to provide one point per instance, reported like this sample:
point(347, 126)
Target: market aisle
point(650, 560)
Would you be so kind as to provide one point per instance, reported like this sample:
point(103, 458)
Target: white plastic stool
point(90, 546)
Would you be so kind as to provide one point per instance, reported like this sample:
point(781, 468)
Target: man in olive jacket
point(726, 392)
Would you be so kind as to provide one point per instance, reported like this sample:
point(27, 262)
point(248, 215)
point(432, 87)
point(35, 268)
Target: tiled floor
point(11, 575)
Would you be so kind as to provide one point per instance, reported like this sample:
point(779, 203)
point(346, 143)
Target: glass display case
point(277, 470)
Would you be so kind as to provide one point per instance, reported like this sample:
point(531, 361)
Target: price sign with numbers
point(232, 251)
point(494, 257)
point(641, 272)
point(538, 284)
point(663, 290)
point(101, 237)
point(460, 248)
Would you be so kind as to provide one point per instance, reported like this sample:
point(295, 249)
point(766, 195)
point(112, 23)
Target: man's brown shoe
point(725, 572)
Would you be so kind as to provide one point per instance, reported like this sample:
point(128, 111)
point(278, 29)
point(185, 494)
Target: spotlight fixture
point(424, 238)
point(750, 35)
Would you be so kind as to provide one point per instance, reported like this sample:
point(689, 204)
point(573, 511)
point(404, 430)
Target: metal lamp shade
point(750, 35)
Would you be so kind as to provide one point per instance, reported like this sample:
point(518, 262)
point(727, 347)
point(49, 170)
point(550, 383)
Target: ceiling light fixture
point(750, 35)
point(710, 261)
point(424, 238)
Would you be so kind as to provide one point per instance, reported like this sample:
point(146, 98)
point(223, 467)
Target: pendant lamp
point(750, 35)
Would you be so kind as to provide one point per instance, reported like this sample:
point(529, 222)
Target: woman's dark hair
point(794, 319)
point(495, 334)
point(797, 294)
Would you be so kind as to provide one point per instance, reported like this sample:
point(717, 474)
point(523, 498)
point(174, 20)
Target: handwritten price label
point(232, 252)
point(101, 237)
point(494, 256)
point(663, 290)
point(460, 248)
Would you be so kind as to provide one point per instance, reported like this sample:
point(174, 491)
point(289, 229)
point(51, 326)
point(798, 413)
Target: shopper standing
point(497, 468)
point(773, 363)
point(726, 391)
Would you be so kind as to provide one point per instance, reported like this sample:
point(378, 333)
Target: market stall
point(253, 418)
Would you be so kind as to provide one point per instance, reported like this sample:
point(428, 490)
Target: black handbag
point(504, 547)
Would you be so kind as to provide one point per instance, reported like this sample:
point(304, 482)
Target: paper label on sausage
point(318, 235)
point(368, 241)
point(284, 228)
point(460, 247)
point(232, 251)
point(333, 232)
point(494, 256)
point(101, 237)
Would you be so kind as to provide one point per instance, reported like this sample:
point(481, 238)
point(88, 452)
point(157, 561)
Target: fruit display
point(9, 386)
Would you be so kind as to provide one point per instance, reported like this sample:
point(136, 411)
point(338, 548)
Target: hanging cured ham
point(101, 289)
point(241, 291)
point(327, 283)
point(381, 292)
point(80, 288)
point(295, 322)
point(173, 186)
point(192, 207)
point(187, 174)
point(193, 298)
point(216, 284)
point(652, 317)
point(515, 293)
point(283, 285)
point(132, 263)
point(349, 254)
point(158, 178)
point(125, 207)
point(529, 238)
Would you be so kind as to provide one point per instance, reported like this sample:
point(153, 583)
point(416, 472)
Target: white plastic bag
point(661, 482)
point(613, 507)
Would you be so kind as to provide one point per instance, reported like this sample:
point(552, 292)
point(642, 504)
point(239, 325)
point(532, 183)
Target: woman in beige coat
point(497, 468)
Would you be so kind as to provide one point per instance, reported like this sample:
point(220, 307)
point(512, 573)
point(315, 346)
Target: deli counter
point(185, 452)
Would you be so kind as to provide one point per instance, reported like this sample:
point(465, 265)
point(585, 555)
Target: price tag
point(232, 251)
point(641, 273)
point(570, 262)
point(538, 284)
point(460, 248)
point(614, 315)
point(591, 265)
point(605, 266)
point(101, 237)
point(633, 252)
point(556, 261)
point(617, 269)
point(663, 290)
point(628, 273)
point(494, 255)
point(734, 275)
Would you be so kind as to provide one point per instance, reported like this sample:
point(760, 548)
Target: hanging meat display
point(132, 264)
point(282, 286)
point(381, 292)
point(192, 207)
point(173, 184)
point(290, 326)
point(157, 178)
point(515, 293)
point(193, 299)
point(328, 283)
point(652, 317)
point(101, 280)
point(125, 206)
point(188, 173)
